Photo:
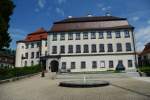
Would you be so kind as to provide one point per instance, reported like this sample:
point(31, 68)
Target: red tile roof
point(146, 49)
point(38, 35)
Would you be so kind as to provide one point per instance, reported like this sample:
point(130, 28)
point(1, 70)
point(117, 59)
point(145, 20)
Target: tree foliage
point(6, 10)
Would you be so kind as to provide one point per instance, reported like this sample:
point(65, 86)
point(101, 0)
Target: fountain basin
point(83, 84)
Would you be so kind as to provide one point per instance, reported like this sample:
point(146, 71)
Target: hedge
point(146, 70)
point(19, 71)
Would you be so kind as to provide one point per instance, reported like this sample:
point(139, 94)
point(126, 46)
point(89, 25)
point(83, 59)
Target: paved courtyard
point(37, 88)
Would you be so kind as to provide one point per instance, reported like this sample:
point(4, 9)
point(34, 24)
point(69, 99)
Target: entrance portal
point(54, 66)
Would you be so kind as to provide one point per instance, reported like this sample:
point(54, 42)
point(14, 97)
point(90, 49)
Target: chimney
point(89, 15)
point(69, 16)
point(107, 13)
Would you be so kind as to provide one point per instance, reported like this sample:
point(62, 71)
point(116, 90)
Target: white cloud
point(107, 8)
point(142, 37)
point(61, 1)
point(17, 33)
point(103, 9)
point(135, 18)
point(60, 11)
point(41, 3)
point(148, 21)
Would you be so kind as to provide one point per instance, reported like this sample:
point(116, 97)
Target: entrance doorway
point(54, 66)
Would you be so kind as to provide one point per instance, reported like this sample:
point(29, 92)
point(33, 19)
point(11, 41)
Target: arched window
point(25, 63)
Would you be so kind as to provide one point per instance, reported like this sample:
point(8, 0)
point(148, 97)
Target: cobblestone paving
point(37, 88)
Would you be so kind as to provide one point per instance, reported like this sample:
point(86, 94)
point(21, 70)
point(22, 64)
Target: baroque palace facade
point(92, 43)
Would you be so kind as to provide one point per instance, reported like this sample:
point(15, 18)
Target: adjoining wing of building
point(92, 43)
point(30, 49)
point(144, 56)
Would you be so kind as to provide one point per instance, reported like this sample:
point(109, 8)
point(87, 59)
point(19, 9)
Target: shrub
point(18, 71)
point(146, 70)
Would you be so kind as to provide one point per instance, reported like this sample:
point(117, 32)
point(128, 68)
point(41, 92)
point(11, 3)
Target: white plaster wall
point(98, 59)
point(20, 51)
point(90, 41)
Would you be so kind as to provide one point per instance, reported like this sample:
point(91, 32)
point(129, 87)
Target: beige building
point(92, 43)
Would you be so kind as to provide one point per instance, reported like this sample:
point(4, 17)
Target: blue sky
point(30, 15)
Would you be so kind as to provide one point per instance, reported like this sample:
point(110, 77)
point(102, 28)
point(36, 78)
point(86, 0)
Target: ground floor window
point(130, 63)
point(32, 63)
point(94, 64)
point(25, 63)
point(72, 65)
point(63, 65)
point(102, 64)
point(83, 65)
point(111, 65)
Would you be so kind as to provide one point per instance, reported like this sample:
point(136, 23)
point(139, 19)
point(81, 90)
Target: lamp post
point(40, 51)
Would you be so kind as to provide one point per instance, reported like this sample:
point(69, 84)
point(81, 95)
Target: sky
point(29, 15)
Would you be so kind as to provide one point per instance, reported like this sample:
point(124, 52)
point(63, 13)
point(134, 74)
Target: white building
point(91, 44)
point(30, 49)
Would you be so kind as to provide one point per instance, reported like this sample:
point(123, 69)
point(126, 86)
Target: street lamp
point(40, 51)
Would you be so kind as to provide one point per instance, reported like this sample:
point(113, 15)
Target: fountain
point(84, 83)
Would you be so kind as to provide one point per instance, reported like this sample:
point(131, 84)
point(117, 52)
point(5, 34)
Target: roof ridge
point(88, 19)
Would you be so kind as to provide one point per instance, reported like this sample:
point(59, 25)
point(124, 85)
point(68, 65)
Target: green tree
point(6, 10)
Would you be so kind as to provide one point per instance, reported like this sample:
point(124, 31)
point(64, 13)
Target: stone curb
point(17, 78)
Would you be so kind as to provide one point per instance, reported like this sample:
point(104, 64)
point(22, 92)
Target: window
point(26, 55)
point(86, 48)
point(83, 65)
point(130, 63)
point(32, 45)
point(109, 35)
point(119, 47)
point(85, 35)
point(102, 64)
point(94, 48)
point(63, 65)
point(62, 36)
point(94, 64)
point(32, 63)
point(73, 65)
point(37, 54)
point(38, 44)
point(32, 54)
point(101, 48)
point(54, 37)
point(118, 34)
point(54, 49)
point(62, 49)
point(27, 46)
point(70, 49)
point(93, 35)
point(77, 36)
point(78, 49)
point(126, 34)
point(70, 36)
point(128, 46)
point(25, 63)
point(101, 36)
point(45, 43)
point(111, 65)
point(110, 48)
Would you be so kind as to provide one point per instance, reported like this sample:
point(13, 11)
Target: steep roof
point(39, 34)
point(90, 23)
point(146, 49)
